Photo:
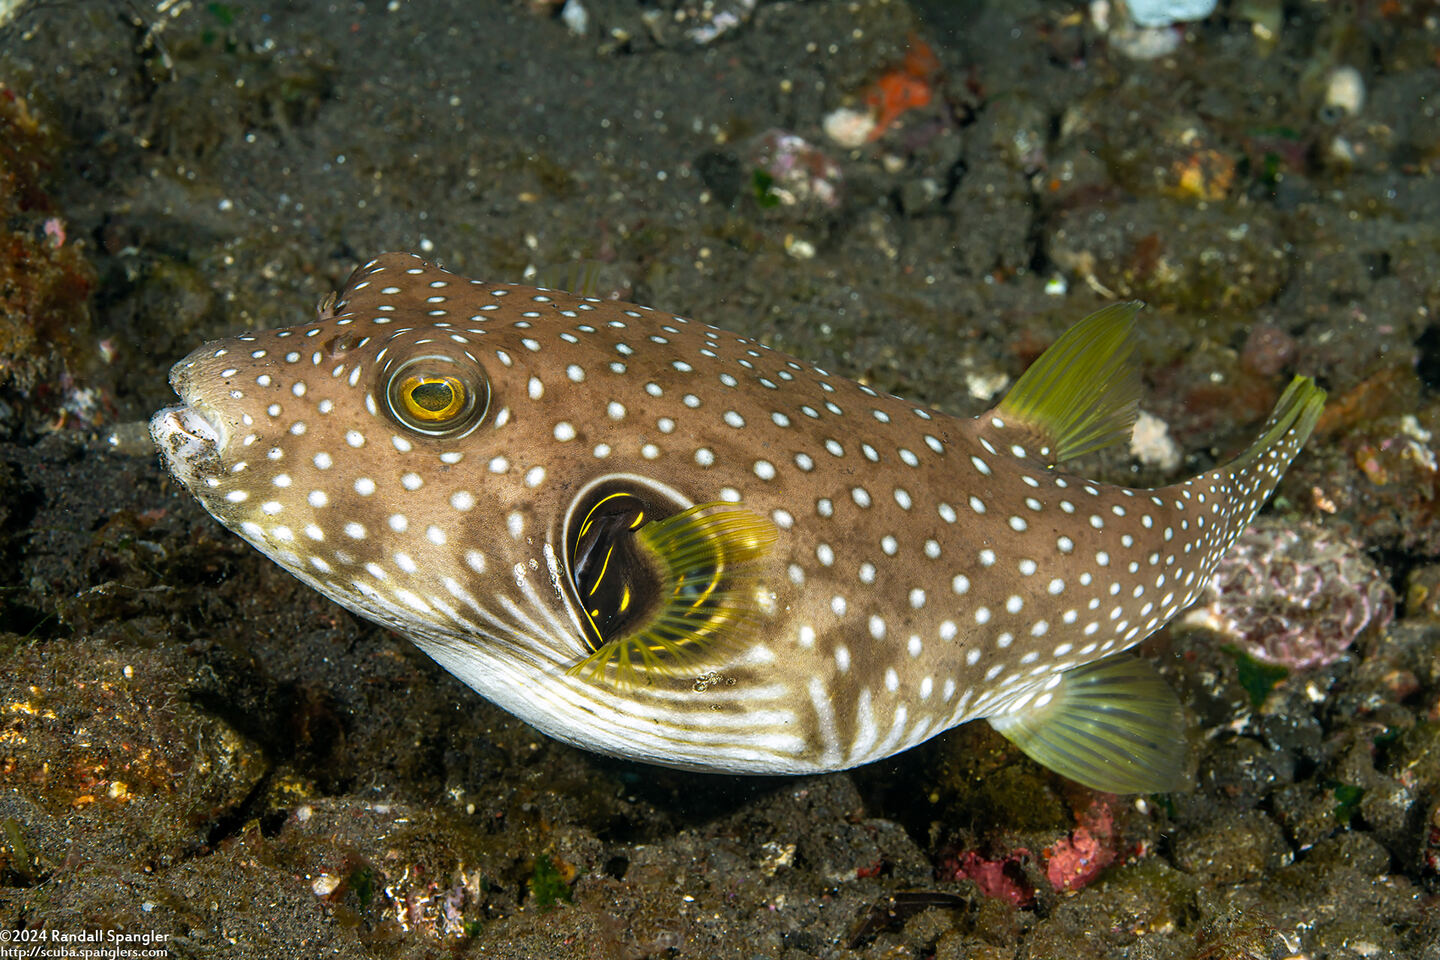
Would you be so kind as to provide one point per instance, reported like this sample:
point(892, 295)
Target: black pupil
point(434, 395)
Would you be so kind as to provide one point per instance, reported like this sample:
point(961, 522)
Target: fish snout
point(184, 370)
point(189, 439)
point(190, 434)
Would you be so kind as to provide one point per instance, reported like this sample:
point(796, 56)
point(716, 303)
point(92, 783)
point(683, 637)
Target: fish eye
point(433, 399)
point(439, 396)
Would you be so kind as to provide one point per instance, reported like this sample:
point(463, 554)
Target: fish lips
point(189, 435)
point(190, 439)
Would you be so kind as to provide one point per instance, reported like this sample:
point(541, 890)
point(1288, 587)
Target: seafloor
point(195, 746)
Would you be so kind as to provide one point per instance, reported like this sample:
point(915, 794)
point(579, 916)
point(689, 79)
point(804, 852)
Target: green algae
point(1257, 677)
point(547, 885)
point(21, 863)
point(1347, 800)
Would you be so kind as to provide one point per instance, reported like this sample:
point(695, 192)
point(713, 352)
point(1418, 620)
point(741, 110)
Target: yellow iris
point(432, 399)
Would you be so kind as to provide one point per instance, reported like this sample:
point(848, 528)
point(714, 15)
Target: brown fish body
point(915, 571)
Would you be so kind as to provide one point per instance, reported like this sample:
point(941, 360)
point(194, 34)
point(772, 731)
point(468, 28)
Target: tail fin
point(1242, 486)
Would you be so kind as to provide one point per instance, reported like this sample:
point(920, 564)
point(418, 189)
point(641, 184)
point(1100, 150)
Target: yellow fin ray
point(1290, 423)
point(1253, 475)
point(580, 277)
point(1083, 393)
point(1113, 725)
point(706, 560)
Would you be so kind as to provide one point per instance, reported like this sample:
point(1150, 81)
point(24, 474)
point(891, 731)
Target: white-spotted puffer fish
point(654, 539)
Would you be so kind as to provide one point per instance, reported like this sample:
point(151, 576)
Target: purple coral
point(1296, 595)
point(800, 174)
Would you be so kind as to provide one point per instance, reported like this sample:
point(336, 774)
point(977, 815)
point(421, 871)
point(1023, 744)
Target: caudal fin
point(1242, 486)
point(1114, 725)
point(1205, 515)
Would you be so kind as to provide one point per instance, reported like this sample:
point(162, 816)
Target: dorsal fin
point(1082, 394)
point(580, 277)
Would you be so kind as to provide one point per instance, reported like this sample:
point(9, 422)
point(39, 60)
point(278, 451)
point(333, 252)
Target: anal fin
point(1112, 725)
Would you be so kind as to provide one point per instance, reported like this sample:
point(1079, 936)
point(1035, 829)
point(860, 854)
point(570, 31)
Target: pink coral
point(1001, 879)
point(1295, 594)
point(1077, 859)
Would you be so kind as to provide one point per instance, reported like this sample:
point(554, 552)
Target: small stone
point(575, 17)
point(1239, 847)
point(1345, 92)
point(1151, 443)
point(1164, 13)
point(324, 885)
point(848, 127)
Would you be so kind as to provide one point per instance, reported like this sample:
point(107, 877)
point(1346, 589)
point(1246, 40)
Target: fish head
point(447, 476)
point(369, 449)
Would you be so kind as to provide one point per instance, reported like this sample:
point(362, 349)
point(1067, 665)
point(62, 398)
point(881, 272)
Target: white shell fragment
point(1345, 91)
point(848, 127)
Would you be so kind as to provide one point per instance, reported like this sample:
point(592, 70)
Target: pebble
point(1345, 91)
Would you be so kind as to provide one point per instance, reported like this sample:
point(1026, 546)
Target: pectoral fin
point(686, 589)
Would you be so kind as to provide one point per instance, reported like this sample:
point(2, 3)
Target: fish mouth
point(189, 434)
point(190, 438)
